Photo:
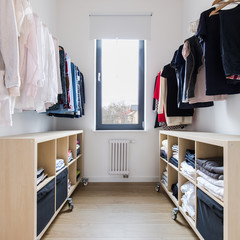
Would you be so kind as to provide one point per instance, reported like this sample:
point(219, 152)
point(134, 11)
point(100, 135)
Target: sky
point(120, 71)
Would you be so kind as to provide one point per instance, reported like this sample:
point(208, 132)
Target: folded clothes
point(189, 198)
point(175, 155)
point(165, 173)
point(174, 161)
point(175, 148)
point(41, 178)
point(214, 165)
point(163, 154)
point(215, 190)
point(70, 156)
point(190, 162)
point(219, 183)
point(187, 170)
point(40, 171)
point(175, 190)
point(165, 142)
point(210, 174)
point(59, 164)
point(190, 153)
point(165, 178)
point(165, 149)
point(164, 182)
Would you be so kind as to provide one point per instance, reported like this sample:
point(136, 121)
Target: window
point(120, 85)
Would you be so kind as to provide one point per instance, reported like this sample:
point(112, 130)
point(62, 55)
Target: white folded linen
point(219, 183)
point(214, 190)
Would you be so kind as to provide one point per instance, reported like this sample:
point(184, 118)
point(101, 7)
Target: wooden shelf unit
point(206, 145)
point(21, 156)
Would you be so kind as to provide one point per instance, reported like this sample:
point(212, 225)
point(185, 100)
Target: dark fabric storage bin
point(45, 205)
point(61, 188)
point(209, 217)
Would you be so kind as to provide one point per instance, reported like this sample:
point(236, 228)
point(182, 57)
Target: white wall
point(73, 33)
point(28, 122)
point(224, 117)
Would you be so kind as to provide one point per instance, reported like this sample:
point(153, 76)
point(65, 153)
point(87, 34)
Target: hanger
point(224, 4)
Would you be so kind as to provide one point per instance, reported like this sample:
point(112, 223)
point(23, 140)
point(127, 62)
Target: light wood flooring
point(119, 211)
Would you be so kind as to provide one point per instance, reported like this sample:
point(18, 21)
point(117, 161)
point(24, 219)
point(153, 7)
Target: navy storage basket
point(45, 205)
point(61, 188)
point(209, 217)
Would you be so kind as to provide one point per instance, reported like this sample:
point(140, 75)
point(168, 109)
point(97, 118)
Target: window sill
point(120, 131)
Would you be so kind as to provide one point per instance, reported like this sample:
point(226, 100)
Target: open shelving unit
point(206, 145)
point(21, 156)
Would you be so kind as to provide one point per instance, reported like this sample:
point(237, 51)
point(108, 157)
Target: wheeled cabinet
point(27, 209)
point(206, 145)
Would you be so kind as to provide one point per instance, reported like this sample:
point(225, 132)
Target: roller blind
point(122, 26)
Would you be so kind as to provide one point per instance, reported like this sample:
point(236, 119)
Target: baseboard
point(121, 179)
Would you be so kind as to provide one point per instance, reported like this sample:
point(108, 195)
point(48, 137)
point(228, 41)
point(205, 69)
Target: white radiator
point(119, 151)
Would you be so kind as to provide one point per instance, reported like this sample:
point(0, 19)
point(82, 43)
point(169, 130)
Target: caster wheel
point(70, 204)
point(84, 182)
point(174, 213)
point(157, 187)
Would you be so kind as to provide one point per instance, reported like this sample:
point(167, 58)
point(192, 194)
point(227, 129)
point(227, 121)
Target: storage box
point(61, 188)
point(209, 217)
point(45, 205)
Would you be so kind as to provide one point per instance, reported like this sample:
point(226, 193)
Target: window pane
point(120, 78)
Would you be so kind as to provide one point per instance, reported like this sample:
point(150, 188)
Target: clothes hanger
point(216, 11)
point(216, 2)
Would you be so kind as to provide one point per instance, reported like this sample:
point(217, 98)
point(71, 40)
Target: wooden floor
point(119, 211)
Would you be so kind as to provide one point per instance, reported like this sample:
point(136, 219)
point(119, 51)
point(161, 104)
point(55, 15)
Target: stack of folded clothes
point(165, 177)
point(175, 190)
point(174, 158)
point(190, 157)
point(187, 170)
point(41, 175)
point(188, 199)
point(164, 149)
point(70, 156)
point(78, 147)
point(211, 175)
point(59, 164)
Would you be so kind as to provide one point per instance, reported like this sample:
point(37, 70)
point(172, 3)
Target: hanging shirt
point(209, 33)
point(172, 91)
point(230, 41)
point(9, 48)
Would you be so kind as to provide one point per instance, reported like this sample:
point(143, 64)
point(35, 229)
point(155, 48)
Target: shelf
point(171, 165)
point(44, 183)
point(164, 160)
point(73, 187)
point(211, 195)
point(74, 160)
point(61, 170)
point(188, 178)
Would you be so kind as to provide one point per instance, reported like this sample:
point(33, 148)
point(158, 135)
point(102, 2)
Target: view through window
point(120, 74)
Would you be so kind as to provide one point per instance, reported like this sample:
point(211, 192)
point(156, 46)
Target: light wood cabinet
point(206, 145)
point(20, 158)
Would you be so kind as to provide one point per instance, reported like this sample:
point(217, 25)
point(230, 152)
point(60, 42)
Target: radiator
point(119, 151)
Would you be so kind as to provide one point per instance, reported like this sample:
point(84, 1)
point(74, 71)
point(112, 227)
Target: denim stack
point(174, 158)
point(190, 157)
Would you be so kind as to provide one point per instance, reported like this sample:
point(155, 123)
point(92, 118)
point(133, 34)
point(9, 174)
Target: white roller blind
point(122, 26)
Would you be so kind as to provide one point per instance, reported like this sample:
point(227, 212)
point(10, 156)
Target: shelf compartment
point(204, 150)
point(62, 149)
point(184, 144)
point(172, 177)
point(162, 137)
point(46, 157)
point(72, 173)
point(171, 141)
point(163, 167)
point(80, 166)
point(80, 139)
point(72, 145)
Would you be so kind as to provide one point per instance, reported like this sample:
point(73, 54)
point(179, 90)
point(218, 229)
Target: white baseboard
point(121, 179)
